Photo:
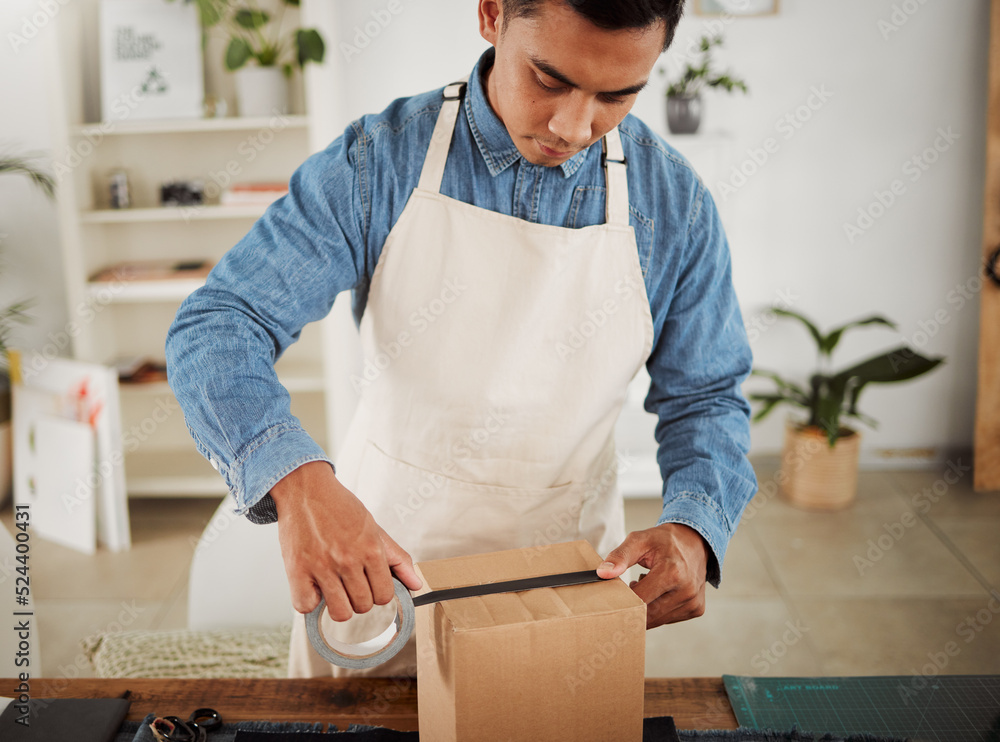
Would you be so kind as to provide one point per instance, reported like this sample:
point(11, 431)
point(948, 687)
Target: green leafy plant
point(696, 77)
point(256, 34)
point(832, 395)
point(17, 313)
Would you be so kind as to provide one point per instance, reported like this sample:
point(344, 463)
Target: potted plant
point(260, 52)
point(684, 93)
point(10, 316)
point(820, 456)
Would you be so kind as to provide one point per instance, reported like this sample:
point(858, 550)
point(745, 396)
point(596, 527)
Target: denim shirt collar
point(495, 144)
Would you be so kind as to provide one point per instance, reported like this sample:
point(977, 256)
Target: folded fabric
point(77, 719)
point(190, 654)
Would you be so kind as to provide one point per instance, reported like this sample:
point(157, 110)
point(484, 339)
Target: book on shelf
point(153, 270)
point(245, 194)
point(139, 369)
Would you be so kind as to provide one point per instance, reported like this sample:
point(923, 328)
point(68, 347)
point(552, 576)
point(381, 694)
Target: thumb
point(620, 559)
point(400, 563)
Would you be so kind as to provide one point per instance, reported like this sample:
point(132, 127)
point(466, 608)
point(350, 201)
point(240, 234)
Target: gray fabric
point(133, 731)
point(139, 731)
point(263, 511)
point(767, 735)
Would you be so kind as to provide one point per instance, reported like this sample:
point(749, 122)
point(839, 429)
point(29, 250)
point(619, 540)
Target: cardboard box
point(548, 664)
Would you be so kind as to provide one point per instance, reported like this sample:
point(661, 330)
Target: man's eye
point(613, 98)
point(543, 86)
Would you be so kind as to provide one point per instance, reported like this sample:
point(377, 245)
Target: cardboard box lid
point(505, 609)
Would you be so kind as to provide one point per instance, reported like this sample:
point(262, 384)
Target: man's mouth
point(549, 152)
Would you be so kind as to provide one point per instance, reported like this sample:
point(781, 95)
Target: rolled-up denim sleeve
point(698, 363)
point(221, 348)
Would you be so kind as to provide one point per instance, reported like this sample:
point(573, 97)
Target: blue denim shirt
point(326, 235)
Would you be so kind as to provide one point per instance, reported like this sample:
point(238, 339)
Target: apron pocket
point(434, 517)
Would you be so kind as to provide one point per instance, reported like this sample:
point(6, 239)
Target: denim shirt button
point(213, 462)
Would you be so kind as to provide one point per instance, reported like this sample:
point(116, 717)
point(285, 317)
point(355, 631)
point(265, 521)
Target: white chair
point(237, 578)
point(9, 640)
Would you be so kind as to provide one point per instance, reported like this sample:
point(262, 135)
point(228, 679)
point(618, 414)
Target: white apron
point(497, 354)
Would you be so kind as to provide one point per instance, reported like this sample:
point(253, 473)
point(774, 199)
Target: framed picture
point(736, 7)
point(151, 62)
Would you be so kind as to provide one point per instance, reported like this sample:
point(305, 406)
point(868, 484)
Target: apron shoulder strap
point(437, 151)
point(613, 162)
point(612, 157)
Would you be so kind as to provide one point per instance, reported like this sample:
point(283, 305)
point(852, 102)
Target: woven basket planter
point(813, 475)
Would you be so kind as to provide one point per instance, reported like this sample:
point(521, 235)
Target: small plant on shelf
point(684, 92)
point(257, 35)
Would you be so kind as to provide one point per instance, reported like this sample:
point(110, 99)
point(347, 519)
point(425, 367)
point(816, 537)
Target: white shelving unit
point(132, 318)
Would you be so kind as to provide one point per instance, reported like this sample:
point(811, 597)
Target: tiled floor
point(880, 588)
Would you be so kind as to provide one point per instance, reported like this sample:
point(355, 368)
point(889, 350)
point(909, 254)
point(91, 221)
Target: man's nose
point(573, 120)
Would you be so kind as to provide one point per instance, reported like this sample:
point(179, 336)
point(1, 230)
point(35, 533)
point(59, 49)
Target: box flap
point(532, 605)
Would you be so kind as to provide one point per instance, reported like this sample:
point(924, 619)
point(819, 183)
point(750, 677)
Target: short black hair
point(610, 14)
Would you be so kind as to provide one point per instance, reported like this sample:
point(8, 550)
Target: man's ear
point(490, 20)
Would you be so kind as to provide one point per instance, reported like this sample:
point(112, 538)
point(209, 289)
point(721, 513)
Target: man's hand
point(332, 545)
point(676, 557)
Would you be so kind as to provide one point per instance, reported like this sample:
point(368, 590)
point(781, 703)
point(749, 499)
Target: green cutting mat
point(946, 708)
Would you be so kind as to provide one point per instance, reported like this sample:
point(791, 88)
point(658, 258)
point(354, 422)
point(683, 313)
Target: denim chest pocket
point(588, 207)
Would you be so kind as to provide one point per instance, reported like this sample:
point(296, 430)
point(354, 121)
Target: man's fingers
point(337, 603)
point(305, 596)
point(659, 581)
point(359, 592)
point(401, 563)
point(620, 559)
point(667, 610)
point(380, 580)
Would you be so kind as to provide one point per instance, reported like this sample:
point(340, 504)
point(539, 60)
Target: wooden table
point(695, 703)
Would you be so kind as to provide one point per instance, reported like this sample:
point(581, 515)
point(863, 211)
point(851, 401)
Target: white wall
point(785, 224)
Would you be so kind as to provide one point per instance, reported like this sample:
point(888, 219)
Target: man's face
point(560, 83)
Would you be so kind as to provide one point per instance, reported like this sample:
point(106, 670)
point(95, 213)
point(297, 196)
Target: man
point(523, 247)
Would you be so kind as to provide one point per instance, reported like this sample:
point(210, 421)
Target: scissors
point(195, 729)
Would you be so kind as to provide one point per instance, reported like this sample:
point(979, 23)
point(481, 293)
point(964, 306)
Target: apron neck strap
point(613, 162)
point(437, 153)
point(612, 157)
